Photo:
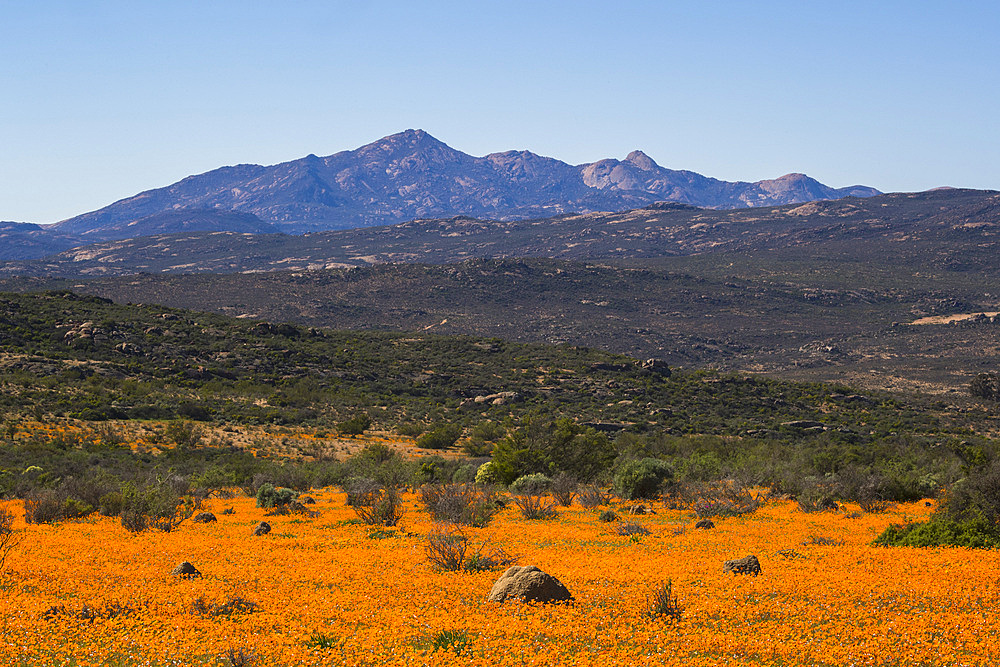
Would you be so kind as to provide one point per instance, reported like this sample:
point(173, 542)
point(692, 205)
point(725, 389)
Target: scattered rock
point(229, 510)
point(306, 500)
point(746, 565)
point(804, 424)
point(530, 584)
point(186, 570)
point(204, 517)
point(705, 524)
point(262, 528)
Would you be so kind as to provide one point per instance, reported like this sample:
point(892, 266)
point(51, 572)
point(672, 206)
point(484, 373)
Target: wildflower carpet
point(327, 590)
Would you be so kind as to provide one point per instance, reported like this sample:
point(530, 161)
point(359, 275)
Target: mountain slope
point(413, 175)
point(946, 228)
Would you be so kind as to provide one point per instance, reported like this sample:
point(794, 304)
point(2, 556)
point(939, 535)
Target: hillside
point(413, 175)
point(955, 229)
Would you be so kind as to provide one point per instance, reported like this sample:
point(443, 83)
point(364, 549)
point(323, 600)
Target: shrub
point(534, 484)
point(184, 433)
point(269, 496)
point(445, 549)
point(8, 538)
point(628, 529)
point(356, 425)
point(462, 504)
point(440, 437)
point(375, 504)
point(156, 505)
point(815, 499)
point(664, 603)
point(941, 532)
point(51, 505)
point(591, 496)
point(448, 550)
point(642, 479)
point(487, 474)
point(726, 499)
point(607, 516)
point(535, 507)
point(563, 488)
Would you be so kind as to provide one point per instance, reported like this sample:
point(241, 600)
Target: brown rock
point(529, 584)
point(262, 528)
point(705, 524)
point(746, 565)
point(204, 517)
point(186, 570)
point(307, 500)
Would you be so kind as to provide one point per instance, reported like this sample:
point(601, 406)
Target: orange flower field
point(331, 591)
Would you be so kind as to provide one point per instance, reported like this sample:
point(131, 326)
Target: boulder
point(204, 517)
point(705, 524)
point(656, 366)
point(746, 565)
point(262, 528)
point(186, 570)
point(529, 584)
point(306, 500)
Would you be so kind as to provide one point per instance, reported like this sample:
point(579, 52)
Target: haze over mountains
point(402, 177)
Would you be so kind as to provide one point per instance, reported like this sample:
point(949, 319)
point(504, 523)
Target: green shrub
point(356, 425)
point(269, 496)
point(941, 532)
point(644, 478)
point(440, 437)
point(487, 474)
point(534, 484)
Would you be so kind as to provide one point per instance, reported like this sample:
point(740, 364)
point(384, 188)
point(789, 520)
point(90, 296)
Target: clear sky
point(104, 99)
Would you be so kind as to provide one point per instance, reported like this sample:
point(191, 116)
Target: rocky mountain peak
point(641, 160)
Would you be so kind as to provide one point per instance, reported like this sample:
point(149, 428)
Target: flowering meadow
point(328, 590)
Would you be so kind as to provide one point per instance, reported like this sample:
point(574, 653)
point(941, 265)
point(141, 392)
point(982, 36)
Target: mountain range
point(402, 177)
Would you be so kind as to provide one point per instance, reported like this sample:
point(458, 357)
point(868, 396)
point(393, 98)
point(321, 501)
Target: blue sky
point(101, 100)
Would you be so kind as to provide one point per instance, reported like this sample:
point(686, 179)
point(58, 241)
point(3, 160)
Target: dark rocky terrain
point(948, 228)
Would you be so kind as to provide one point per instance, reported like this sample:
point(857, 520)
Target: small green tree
point(642, 479)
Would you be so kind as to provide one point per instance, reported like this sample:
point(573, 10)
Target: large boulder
point(204, 517)
point(529, 584)
point(262, 528)
point(745, 565)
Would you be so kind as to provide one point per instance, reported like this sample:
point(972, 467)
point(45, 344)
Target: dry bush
point(445, 549)
point(564, 488)
point(448, 550)
point(629, 528)
point(591, 496)
point(8, 538)
point(462, 504)
point(536, 507)
point(726, 499)
point(375, 505)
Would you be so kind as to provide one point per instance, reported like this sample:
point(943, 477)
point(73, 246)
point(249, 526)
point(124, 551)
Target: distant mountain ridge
point(412, 175)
